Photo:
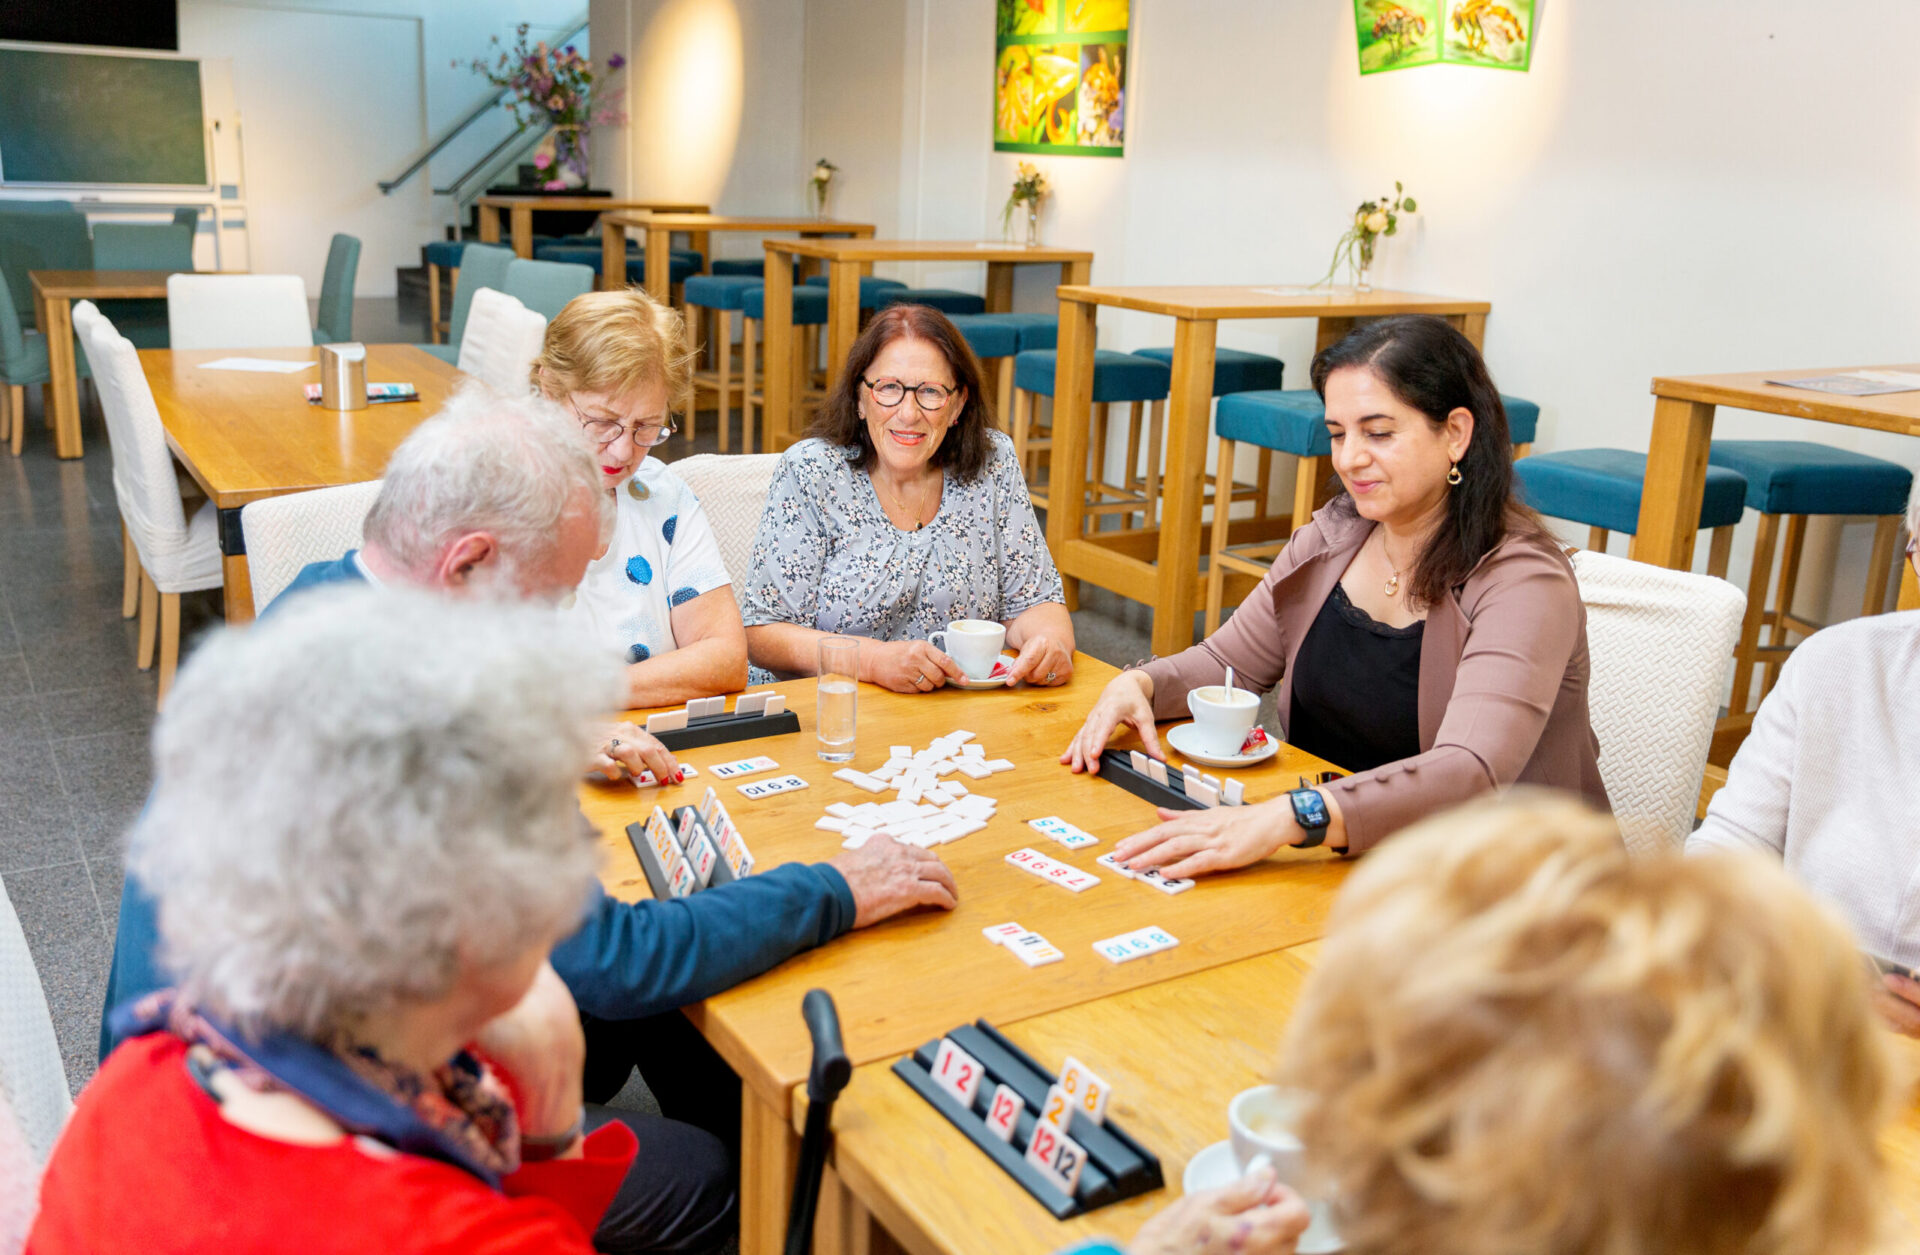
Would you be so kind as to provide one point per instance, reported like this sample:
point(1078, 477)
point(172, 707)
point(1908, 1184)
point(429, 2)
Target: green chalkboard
point(69, 117)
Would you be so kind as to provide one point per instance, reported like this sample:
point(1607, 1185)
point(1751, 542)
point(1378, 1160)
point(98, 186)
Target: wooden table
point(881, 976)
point(519, 210)
point(846, 260)
point(245, 435)
point(54, 292)
point(1160, 566)
point(660, 226)
point(1683, 427)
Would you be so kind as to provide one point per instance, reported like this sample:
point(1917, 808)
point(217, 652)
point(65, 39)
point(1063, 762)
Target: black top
point(1356, 688)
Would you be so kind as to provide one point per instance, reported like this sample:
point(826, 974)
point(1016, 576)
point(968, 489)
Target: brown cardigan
point(1503, 675)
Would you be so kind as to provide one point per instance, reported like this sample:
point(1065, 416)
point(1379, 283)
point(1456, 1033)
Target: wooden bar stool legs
point(436, 328)
point(1222, 556)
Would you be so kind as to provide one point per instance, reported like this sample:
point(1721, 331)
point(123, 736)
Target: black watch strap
point(1310, 812)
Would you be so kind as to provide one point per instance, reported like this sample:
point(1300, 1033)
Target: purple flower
point(554, 185)
point(615, 61)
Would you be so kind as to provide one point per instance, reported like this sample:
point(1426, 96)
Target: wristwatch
point(538, 1149)
point(1310, 812)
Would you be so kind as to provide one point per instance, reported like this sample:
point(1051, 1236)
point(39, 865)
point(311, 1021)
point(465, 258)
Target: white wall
point(1708, 186)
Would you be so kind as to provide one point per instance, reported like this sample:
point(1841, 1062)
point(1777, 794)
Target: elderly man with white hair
point(1827, 782)
point(500, 498)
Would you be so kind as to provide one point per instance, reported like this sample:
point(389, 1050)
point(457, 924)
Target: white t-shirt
point(663, 555)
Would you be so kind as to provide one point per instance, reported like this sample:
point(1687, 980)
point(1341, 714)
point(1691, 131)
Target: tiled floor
point(74, 711)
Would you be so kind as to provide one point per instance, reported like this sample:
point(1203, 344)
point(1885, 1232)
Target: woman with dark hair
point(1424, 630)
point(902, 511)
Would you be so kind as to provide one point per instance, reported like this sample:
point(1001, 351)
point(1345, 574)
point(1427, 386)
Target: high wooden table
point(660, 226)
point(246, 435)
point(1160, 566)
point(914, 977)
point(54, 292)
point(846, 260)
point(519, 211)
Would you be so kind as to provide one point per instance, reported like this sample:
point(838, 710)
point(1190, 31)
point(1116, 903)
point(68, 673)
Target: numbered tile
point(660, 837)
point(1085, 1089)
point(957, 1072)
point(647, 780)
point(1068, 1160)
point(701, 856)
point(859, 838)
point(667, 721)
point(1114, 950)
point(827, 823)
point(1160, 939)
point(706, 707)
point(1112, 863)
point(1034, 950)
point(1137, 761)
point(1205, 794)
point(1156, 771)
point(768, 788)
point(680, 878)
point(973, 750)
point(1058, 1109)
point(1000, 934)
point(1063, 832)
point(688, 818)
point(1003, 1113)
point(776, 704)
point(1043, 1152)
point(751, 703)
point(709, 806)
point(1233, 793)
point(1164, 885)
point(860, 780)
point(744, 767)
point(998, 764)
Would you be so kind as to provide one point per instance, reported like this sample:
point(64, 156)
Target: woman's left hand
point(626, 750)
point(1217, 839)
point(1043, 661)
point(1898, 1000)
point(539, 1043)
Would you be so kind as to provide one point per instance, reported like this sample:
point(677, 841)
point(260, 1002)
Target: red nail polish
point(678, 775)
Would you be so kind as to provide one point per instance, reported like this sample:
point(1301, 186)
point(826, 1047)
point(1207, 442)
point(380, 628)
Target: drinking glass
point(839, 683)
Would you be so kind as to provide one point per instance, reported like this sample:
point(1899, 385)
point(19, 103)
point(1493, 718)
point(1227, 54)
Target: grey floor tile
point(14, 679)
point(39, 611)
point(106, 779)
point(61, 919)
point(128, 705)
point(92, 656)
point(77, 552)
point(108, 875)
point(37, 827)
point(21, 724)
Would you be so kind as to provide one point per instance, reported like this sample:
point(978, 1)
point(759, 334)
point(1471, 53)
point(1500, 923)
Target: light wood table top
point(1269, 301)
point(519, 211)
point(1898, 412)
point(931, 250)
point(246, 435)
point(692, 222)
point(95, 285)
point(54, 292)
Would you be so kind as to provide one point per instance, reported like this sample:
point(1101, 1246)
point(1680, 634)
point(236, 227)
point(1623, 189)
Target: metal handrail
point(524, 137)
point(479, 111)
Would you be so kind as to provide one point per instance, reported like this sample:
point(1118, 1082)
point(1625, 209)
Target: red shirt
point(148, 1165)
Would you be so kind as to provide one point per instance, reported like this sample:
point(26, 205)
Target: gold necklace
point(912, 512)
point(1392, 585)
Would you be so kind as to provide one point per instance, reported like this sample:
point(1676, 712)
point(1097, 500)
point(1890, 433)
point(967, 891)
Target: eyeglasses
point(891, 392)
point(604, 431)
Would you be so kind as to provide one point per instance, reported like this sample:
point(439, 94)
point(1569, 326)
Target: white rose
point(1376, 222)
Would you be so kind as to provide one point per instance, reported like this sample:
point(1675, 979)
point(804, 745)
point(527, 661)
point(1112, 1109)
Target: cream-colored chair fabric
point(34, 1102)
point(501, 340)
point(1660, 642)
point(238, 312)
point(285, 533)
point(732, 488)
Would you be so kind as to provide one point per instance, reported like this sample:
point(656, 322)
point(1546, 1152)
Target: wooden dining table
point(246, 435)
point(1159, 565)
point(519, 211)
point(660, 227)
point(54, 292)
point(846, 261)
point(883, 977)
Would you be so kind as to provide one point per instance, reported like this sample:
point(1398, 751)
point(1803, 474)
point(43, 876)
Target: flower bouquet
point(820, 181)
point(555, 87)
point(1030, 187)
point(1372, 220)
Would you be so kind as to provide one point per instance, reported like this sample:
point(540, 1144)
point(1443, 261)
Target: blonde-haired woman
point(1518, 1038)
point(660, 594)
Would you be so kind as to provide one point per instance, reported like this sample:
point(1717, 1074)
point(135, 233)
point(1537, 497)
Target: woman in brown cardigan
point(1424, 630)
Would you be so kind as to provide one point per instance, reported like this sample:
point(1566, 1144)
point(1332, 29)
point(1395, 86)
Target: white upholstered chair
point(501, 340)
point(732, 488)
point(238, 312)
point(1660, 641)
point(177, 554)
point(285, 533)
point(34, 1102)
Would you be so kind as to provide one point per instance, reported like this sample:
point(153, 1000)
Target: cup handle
point(939, 641)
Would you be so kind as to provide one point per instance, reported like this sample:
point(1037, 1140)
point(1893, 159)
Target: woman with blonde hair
point(617, 361)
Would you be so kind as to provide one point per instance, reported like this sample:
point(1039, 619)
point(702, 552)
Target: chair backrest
point(49, 237)
point(481, 266)
point(34, 1102)
point(284, 534)
point(336, 291)
point(545, 287)
point(503, 337)
point(732, 488)
point(144, 481)
point(1660, 642)
point(13, 339)
point(238, 312)
point(187, 216)
point(142, 246)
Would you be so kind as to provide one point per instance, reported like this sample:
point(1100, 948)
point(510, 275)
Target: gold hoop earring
point(1453, 474)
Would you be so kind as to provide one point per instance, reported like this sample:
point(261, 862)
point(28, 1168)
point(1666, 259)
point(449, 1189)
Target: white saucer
point(999, 683)
point(1186, 739)
point(1215, 1166)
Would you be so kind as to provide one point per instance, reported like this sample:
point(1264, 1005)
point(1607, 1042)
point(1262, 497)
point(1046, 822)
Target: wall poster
point(1060, 77)
point(1400, 34)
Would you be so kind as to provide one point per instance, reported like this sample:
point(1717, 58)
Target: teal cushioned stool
point(440, 255)
point(1117, 377)
point(1795, 479)
point(1602, 488)
point(946, 300)
point(809, 310)
point(723, 296)
point(1234, 370)
point(23, 360)
point(481, 266)
point(1037, 331)
point(994, 339)
point(681, 265)
point(734, 267)
point(335, 322)
point(871, 286)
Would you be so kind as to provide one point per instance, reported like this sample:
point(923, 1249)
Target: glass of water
point(839, 684)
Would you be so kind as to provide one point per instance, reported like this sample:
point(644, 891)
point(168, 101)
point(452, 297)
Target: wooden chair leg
point(149, 619)
point(169, 640)
point(723, 371)
point(1721, 552)
point(1886, 534)
point(1263, 486)
point(1130, 478)
point(1156, 430)
point(749, 329)
point(1794, 543)
point(1597, 539)
point(17, 406)
point(6, 411)
point(1306, 487)
point(1522, 450)
point(1097, 462)
point(1758, 579)
point(1217, 545)
point(433, 303)
point(1003, 393)
point(129, 575)
point(1022, 423)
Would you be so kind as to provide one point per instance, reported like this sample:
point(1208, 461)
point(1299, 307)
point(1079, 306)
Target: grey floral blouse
point(827, 557)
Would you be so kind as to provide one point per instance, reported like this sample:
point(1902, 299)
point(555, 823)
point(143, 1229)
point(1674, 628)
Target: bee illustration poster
point(1060, 77)
point(1482, 32)
point(1400, 34)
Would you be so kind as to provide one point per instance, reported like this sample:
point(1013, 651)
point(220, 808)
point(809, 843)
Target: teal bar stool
point(141, 246)
point(994, 339)
point(809, 315)
point(335, 323)
point(545, 287)
point(721, 296)
point(946, 300)
point(1602, 487)
point(1795, 479)
point(440, 255)
point(1037, 331)
point(871, 287)
point(682, 264)
point(23, 360)
point(1234, 370)
point(481, 266)
point(1117, 378)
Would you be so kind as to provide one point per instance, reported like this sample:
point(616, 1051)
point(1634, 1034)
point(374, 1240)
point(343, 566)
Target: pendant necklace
point(912, 513)
point(1392, 586)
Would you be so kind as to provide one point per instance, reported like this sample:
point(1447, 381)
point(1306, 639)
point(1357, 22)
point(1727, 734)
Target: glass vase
point(820, 200)
point(1033, 224)
point(570, 156)
point(1363, 276)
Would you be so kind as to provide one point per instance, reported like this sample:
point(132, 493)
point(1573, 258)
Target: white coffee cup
point(1263, 1121)
point(1222, 717)
point(973, 643)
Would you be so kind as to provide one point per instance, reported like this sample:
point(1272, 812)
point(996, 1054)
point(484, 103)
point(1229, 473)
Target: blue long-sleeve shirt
point(626, 960)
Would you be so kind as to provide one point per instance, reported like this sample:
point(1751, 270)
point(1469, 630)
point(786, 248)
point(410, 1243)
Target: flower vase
point(820, 200)
point(1363, 279)
point(570, 156)
point(1033, 224)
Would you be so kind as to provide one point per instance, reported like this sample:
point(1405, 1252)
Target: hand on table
point(1217, 839)
point(626, 750)
point(1122, 703)
point(1898, 1001)
point(540, 1045)
point(888, 877)
point(1043, 661)
point(1256, 1215)
point(907, 666)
